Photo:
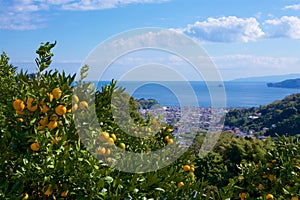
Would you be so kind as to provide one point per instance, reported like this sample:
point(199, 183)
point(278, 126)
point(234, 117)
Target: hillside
point(290, 83)
point(280, 117)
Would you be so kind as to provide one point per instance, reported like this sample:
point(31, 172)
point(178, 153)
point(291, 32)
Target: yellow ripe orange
point(101, 151)
point(33, 108)
point(111, 141)
point(29, 105)
point(104, 136)
point(186, 168)
point(107, 152)
point(122, 146)
point(25, 196)
point(43, 121)
point(75, 99)
point(39, 128)
point(108, 159)
point(18, 105)
point(64, 193)
point(294, 198)
point(83, 105)
point(273, 161)
point(53, 117)
point(242, 196)
point(114, 137)
point(169, 130)
point(74, 107)
point(29, 101)
point(56, 93)
point(269, 196)
point(192, 169)
point(49, 190)
point(167, 138)
point(45, 108)
point(52, 125)
point(170, 141)
point(50, 97)
point(20, 120)
point(35, 146)
point(180, 184)
point(61, 110)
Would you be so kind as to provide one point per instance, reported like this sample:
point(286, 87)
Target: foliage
point(278, 118)
point(44, 156)
point(278, 175)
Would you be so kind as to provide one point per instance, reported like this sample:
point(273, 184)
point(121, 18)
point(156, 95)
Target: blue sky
point(243, 37)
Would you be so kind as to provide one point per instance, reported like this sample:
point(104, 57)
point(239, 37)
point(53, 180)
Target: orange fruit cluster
point(169, 140)
point(188, 168)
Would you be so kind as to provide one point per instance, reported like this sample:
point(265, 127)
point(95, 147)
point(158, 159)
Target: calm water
point(238, 94)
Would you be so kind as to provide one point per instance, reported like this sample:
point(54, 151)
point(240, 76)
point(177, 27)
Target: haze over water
point(238, 94)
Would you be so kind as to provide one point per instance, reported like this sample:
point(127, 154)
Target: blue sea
point(235, 94)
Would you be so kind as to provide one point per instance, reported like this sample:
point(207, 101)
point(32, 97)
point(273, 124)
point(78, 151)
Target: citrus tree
point(276, 177)
point(43, 156)
point(50, 148)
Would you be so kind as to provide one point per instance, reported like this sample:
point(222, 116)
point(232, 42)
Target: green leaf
point(160, 189)
point(109, 179)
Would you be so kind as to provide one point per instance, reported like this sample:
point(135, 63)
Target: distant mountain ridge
point(267, 79)
point(290, 83)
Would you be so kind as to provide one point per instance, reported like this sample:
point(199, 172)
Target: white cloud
point(242, 60)
point(22, 14)
point(293, 7)
point(103, 4)
point(286, 26)
point(225, 29)
point(246, 65)
point(20, 21)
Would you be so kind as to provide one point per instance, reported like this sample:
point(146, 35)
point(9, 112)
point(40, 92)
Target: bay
point(237, 94)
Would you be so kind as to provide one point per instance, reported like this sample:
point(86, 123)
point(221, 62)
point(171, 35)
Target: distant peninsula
point(290, 83)
point(268, 79)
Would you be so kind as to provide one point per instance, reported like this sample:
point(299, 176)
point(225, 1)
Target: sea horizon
point(237, 94)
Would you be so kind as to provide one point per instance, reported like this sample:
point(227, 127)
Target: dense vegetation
point(43, 157)
point(281, 117)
